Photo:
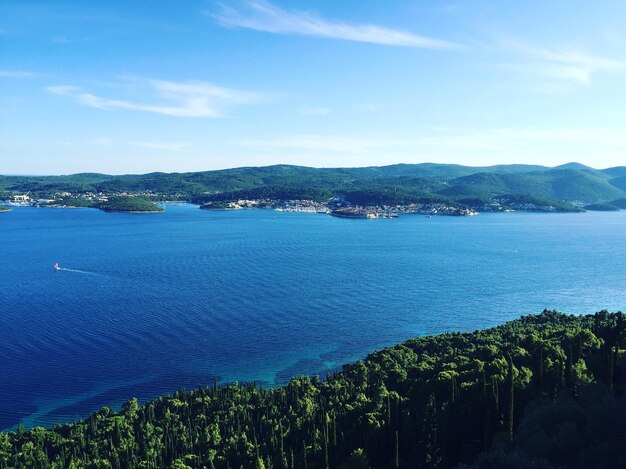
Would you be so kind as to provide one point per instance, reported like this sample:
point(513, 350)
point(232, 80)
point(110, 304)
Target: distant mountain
point(616, 172)
point(560, 184)
point(574, 165)
point(619, 182)
point(444, 171)
point(572, 182)
point(620, 203)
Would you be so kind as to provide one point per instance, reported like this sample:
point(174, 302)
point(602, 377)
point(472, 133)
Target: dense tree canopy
point(542, 391)
point(268, 192)
point(602, 207)
point(385, 184)
point(128, 204)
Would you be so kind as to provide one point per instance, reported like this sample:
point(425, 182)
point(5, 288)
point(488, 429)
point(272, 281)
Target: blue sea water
point(146, 304)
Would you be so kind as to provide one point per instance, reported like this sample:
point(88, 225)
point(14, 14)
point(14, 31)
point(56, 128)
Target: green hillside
point(620, 203)
point(558, 184)
point(544, 391)
point(266, 192)
point(569, 183)
point(128, 204)
point(602, 207)
point(619, 182)
point(616, 172)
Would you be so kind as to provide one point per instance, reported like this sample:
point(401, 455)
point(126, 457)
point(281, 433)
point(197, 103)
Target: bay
point(146, 304)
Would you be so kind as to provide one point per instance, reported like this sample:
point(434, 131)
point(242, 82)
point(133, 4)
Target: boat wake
point(57, 268)
point(76, 271)
point(65, 269)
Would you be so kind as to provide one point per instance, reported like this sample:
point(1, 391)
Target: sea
point(149, 303)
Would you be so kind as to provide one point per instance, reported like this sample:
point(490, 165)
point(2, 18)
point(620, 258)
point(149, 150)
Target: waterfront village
point(59, 199)
point(337, 206)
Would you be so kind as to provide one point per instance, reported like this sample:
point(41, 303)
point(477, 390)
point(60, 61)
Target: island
point(105, 202)
point(128, 204)
point(543, 391)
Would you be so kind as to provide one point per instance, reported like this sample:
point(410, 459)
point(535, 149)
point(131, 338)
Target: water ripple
point(150, 304)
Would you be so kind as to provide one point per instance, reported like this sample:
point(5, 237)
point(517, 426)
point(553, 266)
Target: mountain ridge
point(572, 182)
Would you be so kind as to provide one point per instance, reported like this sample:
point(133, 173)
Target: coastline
point(128, 211)
point(396, 364)
point(367, 214)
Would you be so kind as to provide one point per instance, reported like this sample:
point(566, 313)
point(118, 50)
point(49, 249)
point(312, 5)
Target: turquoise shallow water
point(149, 303)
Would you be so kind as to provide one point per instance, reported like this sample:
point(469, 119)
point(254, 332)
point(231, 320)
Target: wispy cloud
point(584, 138)
point(16, 74)
point(263, 16)
point(368, 144)
point(494, 141)
point(562, 141)
point(169, 146)
point(563, 65)
point(336, 144)
point(188, 99)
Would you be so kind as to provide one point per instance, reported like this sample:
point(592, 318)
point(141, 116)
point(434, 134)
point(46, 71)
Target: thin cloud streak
point(561, 65)
point(362, 145)
point(265, 17)
point(189, 99)
point(491, 140)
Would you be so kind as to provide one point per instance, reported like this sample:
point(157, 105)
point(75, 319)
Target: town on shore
point(116, 202)
point(147, 201)
point(340, 207)
point(368, 192)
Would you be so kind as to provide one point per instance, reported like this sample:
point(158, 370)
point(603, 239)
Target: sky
point(134, 86)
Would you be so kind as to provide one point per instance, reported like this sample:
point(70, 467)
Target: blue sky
point(132, 87)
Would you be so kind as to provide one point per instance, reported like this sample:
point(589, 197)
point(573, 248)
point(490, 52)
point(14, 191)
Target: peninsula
point(523, 392)
point(128, 204)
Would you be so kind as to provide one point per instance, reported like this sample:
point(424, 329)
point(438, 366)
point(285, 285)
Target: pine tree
point(429, 442)
point(511, 403)
point(397, 451)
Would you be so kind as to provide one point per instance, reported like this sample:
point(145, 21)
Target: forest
point(543, 391)
point(128, 204)
point(566, 188)
point(120, 203)
point(267, 192)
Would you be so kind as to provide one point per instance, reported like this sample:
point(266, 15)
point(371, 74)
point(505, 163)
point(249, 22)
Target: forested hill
point(568, 183)
point(544, 391)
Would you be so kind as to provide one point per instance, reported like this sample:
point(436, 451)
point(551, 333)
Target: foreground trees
point(542, 390)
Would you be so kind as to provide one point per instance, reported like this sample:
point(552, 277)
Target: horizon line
point(564, 166)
